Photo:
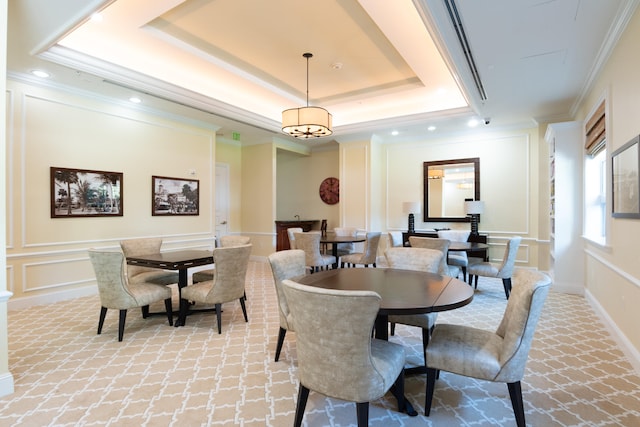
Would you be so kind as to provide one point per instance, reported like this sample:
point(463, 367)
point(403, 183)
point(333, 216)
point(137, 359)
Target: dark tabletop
point(173, 260)
point(330, 238)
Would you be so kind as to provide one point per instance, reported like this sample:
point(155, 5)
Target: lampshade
point(410, 207)
point(307, 122)
point(473, 207)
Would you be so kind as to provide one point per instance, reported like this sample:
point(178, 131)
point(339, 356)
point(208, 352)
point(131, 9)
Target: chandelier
point(307, 122)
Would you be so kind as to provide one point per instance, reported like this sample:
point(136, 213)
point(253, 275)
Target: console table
point(480, 238)
point(282, 239)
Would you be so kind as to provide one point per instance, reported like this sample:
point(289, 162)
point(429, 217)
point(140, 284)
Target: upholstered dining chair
point(137, 274)
point(498, 356)
point(418, 259)
point(336, 355)
point(502, 271)
point(441, 245)
point(395, 239)
point(116, 292)
point(227, 284)
point(457, 258)
point(285, 265)
point(310, 244)
point(369, 255)
point(291, 233)
point(345, 248)
point(225, 242)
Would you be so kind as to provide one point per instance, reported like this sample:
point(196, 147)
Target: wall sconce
point(435, 173)
point(411, 208)
point(473, 209)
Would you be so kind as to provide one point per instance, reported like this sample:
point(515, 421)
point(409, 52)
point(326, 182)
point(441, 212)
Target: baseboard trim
point(625, 345)
point(29, 301)
point(6, 384)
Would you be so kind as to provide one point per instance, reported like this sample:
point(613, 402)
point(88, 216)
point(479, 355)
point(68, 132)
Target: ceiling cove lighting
point(307, 122)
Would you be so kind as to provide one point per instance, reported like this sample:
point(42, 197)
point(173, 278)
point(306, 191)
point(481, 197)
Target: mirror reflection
point(447, 184)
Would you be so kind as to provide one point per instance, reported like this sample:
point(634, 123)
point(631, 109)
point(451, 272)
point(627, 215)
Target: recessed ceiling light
point(431, 128)
point(135, 100)
point(96, 17)
point(473, 123)
point(395, 132)
point(40, 73)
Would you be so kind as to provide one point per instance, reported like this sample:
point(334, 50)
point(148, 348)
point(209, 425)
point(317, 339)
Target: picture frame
point(625, 164)
point(174, 196)
point(85, 193)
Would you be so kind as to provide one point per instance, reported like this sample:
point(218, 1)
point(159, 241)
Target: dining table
point(334, 240)
point(403, 292)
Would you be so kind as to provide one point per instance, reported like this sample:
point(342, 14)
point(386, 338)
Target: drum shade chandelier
point(307, 122)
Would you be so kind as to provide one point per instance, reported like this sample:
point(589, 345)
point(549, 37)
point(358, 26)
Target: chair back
point(136, 247)
point(370, 253)
point(333, 340)
point(417, 259)
point(113, 286)
point(310, 244)
point(519, 322)
point(395, 239)
point(441, 245)
point(230, 273)
point(230, 240)
point(509, 259)
point(286, 265)
point(455, 236)
point(291, 232)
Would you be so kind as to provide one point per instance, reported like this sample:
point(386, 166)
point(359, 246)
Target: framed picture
point(626, 183)
point(81, 193)
point(174, 196)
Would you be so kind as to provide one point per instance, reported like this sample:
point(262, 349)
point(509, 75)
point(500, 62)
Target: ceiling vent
point(464, 44)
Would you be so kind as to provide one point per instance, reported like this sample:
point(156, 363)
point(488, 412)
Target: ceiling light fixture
point(40, 73)
point(307, 122)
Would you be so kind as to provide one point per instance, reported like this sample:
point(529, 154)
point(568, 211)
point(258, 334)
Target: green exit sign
point(236, 136)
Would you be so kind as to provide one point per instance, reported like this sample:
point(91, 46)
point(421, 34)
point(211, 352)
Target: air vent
point(464, 44)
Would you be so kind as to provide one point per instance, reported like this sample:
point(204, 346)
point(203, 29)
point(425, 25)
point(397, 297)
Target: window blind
point(596, 132)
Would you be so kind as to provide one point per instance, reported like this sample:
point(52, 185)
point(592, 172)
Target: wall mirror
point(447, 184)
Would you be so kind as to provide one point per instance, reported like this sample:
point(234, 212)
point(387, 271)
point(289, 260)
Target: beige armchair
point(225, 242)
point(285, 265)
point(336, 355)
point(291, 233)
point(369, 255)
point(227, 284)
point(418, 259)
point(457, 258)
point(117, 293)
point(441, 245)
point(498, 356)
point(310, 244)
point(137, 274)
point(345, 248)
point(503, 271)
point(395, 239)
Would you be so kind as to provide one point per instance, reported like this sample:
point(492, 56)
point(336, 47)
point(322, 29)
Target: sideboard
point(282, 239)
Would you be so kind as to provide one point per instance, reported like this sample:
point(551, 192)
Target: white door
point(222, 200)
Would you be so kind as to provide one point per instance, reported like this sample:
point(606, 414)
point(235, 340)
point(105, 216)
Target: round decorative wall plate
point(330, 190)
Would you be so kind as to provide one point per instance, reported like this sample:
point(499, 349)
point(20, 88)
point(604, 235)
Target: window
point(595, 177)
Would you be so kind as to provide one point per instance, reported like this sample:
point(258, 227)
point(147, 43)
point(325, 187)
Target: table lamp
point(411, 208)
point(474, 208)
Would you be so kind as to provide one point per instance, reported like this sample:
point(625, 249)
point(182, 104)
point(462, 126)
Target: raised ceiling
point(378, 65)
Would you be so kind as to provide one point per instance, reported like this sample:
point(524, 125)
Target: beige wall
point(613, 271)
point(46, 256)
point(230, 154)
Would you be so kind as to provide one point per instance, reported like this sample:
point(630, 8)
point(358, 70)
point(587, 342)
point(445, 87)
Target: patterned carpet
point(66, 375)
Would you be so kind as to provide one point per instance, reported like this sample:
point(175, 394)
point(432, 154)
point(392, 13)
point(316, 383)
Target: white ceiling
point(378, 65)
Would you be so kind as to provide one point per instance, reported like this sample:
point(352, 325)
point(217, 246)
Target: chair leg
point(425, 341)
point(392, 328)
point(515, 392)
point(145, 311)
point(184, 310)
point(303, 395)
point(476, 277)
point(362, 408)
point(244, 309)
point(219, 317)
point(103, 314)
point(123, 317)
point(507, 286)
point(281, 333)
point(169, 309)
point(431, 383)
point(464, 274)
point(397, 389)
